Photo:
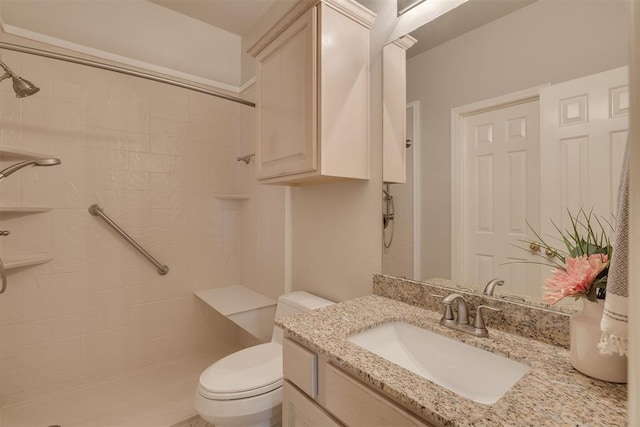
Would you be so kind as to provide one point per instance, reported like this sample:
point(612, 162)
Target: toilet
point(245, 388)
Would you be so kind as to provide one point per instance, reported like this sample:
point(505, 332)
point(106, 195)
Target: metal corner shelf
point(24, 261)
point(24, 209)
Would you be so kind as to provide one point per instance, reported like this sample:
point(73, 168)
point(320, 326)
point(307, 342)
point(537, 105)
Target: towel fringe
point(611, 344)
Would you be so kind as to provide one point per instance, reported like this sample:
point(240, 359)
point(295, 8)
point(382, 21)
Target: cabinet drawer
point(299, 410)
point(356, 405)
point(300, 367)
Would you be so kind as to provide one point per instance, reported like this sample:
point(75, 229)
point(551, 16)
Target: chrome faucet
point(463, 312)
point(461, 322)
point(488, 289)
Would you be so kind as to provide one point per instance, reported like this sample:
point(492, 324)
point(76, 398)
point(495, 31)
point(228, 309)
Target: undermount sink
point(476, 374)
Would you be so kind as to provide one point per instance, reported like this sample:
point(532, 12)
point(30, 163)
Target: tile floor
point(159, 397)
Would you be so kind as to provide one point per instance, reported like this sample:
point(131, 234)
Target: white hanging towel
point(615, 320)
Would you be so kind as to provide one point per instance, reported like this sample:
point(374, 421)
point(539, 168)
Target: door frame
point(458, 114)
point(415, 146)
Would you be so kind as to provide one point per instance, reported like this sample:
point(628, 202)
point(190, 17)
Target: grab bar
point(96, 210)
point(3, 273)
point(246, 158)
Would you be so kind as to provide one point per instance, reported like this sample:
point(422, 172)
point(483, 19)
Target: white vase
point(585, 356)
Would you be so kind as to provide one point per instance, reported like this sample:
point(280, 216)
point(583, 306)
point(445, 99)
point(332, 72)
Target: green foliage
point(587, 235)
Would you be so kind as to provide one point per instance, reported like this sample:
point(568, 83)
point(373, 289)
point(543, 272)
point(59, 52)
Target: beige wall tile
point(154, 156)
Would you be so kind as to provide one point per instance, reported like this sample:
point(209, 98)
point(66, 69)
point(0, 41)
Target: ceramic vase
point(585, 356)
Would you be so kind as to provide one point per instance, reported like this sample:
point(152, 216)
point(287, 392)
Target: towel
point(615, 320)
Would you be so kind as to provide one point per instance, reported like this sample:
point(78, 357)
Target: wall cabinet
point(313, 94)
point(317, 393)
point(394, 107)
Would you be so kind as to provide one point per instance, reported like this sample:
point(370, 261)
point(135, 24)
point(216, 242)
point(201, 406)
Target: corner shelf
point(18, 262)
point(23, 209)
point(13, 153)
point(12, 262)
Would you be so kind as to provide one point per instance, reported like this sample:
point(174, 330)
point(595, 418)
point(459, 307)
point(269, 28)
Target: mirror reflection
point(516, 112)
point(405, 5)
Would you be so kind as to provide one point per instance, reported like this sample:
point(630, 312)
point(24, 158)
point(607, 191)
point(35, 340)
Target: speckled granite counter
point(551, 394)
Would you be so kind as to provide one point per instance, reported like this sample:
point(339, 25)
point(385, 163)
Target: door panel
point(501, 195)
point(583, 136)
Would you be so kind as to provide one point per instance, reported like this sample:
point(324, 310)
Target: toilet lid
point(249, 372)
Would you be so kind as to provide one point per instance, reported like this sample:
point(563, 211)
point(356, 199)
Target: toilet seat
point(250, 372)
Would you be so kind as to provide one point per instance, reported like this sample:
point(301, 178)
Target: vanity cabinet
point(313, 94)
point(317, 393)
point(394, 107)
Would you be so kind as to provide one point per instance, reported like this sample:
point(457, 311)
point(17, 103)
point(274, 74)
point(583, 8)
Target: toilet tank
point(296, 302)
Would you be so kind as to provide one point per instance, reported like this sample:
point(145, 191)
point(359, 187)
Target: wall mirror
point(406, 5)
point(504, 103)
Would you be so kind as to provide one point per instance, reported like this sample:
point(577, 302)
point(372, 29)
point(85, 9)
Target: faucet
point(463, 311)
point(488, 289)
point(461, 323)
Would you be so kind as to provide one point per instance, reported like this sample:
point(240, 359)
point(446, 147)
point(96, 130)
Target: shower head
point(21, 87)
point(51, 161)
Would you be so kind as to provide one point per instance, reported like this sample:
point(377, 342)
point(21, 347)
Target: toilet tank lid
point(304, 301)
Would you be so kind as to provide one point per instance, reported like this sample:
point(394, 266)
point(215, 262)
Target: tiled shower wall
point(155, 157)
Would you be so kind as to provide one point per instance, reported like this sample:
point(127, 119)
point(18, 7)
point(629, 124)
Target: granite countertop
point(552, 393)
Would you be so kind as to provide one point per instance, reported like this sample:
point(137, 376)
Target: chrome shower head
point(50, 161)
point(21, 87)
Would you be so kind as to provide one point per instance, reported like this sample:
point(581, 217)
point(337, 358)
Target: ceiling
point(234, 16)
point(204, 41)
point(464, 18)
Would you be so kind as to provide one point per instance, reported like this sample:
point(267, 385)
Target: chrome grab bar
point(3, 273)
point(246, 158)
point(96, 210)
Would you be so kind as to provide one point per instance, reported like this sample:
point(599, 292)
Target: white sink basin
point(466, 370)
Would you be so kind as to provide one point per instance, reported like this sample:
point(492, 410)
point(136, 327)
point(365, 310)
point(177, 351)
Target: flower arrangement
point(581, 270)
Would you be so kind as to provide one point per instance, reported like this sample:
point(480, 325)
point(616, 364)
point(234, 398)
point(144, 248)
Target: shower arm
point(7, 71)
point(47, 161)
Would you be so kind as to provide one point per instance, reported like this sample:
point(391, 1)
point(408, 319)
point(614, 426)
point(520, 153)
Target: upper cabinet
point(313, 94)
point(394, 94)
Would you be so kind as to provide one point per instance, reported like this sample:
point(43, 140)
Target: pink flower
point(576, 278)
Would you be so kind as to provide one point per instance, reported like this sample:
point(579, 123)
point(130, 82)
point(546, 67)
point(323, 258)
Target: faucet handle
point(478, 322)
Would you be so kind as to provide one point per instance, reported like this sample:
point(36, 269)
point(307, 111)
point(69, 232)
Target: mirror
point(479, 52)
point(405, 5)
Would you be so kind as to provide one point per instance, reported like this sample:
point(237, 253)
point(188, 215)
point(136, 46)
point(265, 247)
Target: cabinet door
point(394, 77)
point(287, 101)
point(299, 411)
point(355, 404)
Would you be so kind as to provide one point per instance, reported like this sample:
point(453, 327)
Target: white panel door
point(584, 126)
point(501, 194)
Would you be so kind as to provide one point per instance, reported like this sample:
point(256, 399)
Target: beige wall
point(155, 157)
point(547, 42)
point(634, 215)
point(337, 228)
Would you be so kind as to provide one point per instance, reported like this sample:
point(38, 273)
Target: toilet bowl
point(245, 388)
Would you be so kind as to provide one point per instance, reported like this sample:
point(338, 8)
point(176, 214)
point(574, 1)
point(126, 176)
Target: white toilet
point(245, 388)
